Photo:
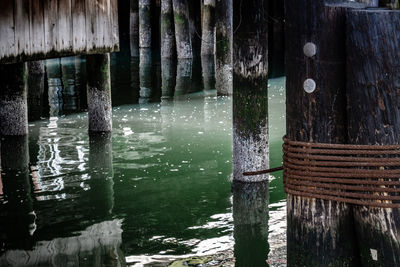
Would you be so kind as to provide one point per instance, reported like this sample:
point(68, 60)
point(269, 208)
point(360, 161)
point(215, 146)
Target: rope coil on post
point(366, 175)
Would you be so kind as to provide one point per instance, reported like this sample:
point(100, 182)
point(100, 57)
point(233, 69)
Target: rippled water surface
point(159, 187)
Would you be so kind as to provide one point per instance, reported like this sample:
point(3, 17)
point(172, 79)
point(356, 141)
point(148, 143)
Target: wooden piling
point(208, 72)
point(99, 92)
point(145, 75)
point(250, 94)
point(134, 28)
point(208, 28)
point(182, 29)
point(144, 23)
point(250, 220)
point(168, 77)
point(320, 233)
point(36, 77)
point(168, 48)
point(223, 46)
point(13, 99)
point(374, 118)
point(183, 76)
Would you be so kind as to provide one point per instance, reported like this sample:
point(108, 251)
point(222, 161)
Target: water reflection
point(250, 219)
point(17, 217)
point(101, 181)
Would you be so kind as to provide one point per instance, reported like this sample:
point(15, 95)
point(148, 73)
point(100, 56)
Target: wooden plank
point(50, 9)
point(36, 27)
point(21, 21)
point(7, 34)
point(64, 26)
point(79, 25)
point(90, 25)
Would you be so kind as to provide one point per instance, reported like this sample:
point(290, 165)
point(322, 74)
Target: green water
point(160, 185)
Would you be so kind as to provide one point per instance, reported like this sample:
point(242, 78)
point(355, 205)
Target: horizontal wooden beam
point(39, 29)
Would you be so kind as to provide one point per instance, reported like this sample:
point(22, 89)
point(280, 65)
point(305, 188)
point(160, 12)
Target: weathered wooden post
point(208, 72)
point(13, 99)
point(144, 23)
point(374, 119)
point(102, 173)
point(135, 79)
point(250, 94)
point(250, 220)
point(168, 48)
point(99, 92)
point(183, 76)
point(168, 77)
point(223, 46)
point(319, 232)
point(182, 29)
point(55, 86)
point(145, 75)
point(70, 94)
point(36, 76)
point(134, 28)
point(208, 28)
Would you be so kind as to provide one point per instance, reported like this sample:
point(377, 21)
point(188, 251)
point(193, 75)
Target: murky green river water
point(158, 188)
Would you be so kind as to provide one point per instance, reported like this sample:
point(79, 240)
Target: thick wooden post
point(223, 46)
point(36, 76)
point(99, 92)
point(208, 71)
point(13, 99)
point(183, 76)
point(168, 77)
point(70, 93)
point(208, 28)
point(144, 23)
point(250, 220)
point(134, 28)
point(182, 29)
point(250, 94)
point(168, 48)
point(374, 118)
point(145, 75)
point(320, 233)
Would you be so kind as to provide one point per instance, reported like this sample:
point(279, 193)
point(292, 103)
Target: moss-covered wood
point(182, 29)
point(168, 47)
point(144, 23)
point(223, 44)
point(250, 90)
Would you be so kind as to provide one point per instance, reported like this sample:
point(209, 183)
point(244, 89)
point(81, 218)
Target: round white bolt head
point(309, 86)
point(310, 49)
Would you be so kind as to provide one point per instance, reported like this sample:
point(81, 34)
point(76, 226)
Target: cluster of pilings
point(342, 87)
